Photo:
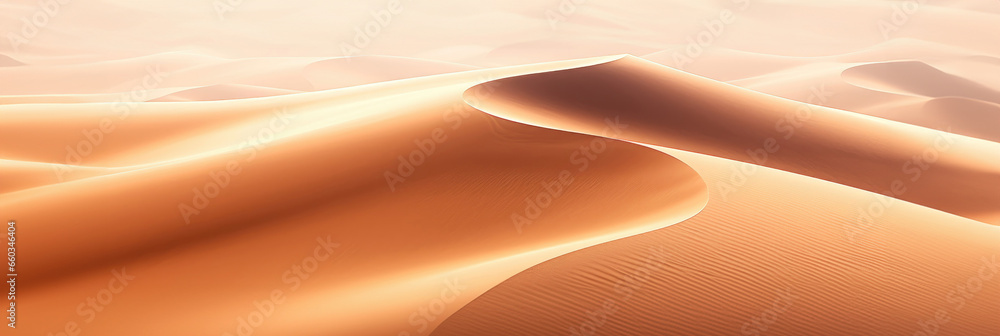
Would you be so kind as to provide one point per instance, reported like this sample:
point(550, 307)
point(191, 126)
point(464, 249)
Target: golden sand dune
point(775, 259)
point(674, 109)
point(773, 251)
point(366, 211)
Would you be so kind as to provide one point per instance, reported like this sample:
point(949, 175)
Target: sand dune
point(967, 116)
point(772, 260)
point(917, 78)
point(153, 77)
point(342, 195)
point(875, 81)
point(7, 61)
point(222, 92)
point(782, 253)
point(678, 110)
point(960, 115)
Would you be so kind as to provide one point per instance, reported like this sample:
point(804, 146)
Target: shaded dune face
point(669, 108)
point(323, 175)
point(969, 116)
point(959, 115)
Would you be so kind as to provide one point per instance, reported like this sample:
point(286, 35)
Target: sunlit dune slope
point(784, 255)
point(670, 108)
point(398, 193)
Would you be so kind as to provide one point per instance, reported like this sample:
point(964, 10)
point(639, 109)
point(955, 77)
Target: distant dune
point(7, 61)
point(917, 78)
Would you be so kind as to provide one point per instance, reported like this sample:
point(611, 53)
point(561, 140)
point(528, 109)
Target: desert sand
point(502, 168)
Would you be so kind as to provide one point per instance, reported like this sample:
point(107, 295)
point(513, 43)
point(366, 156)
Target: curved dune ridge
point(782, 253)
point(674, 109)
point(335, 235)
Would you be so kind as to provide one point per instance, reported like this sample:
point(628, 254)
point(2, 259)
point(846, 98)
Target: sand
point(502, 168)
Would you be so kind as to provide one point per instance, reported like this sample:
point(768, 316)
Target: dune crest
point(674, 109)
